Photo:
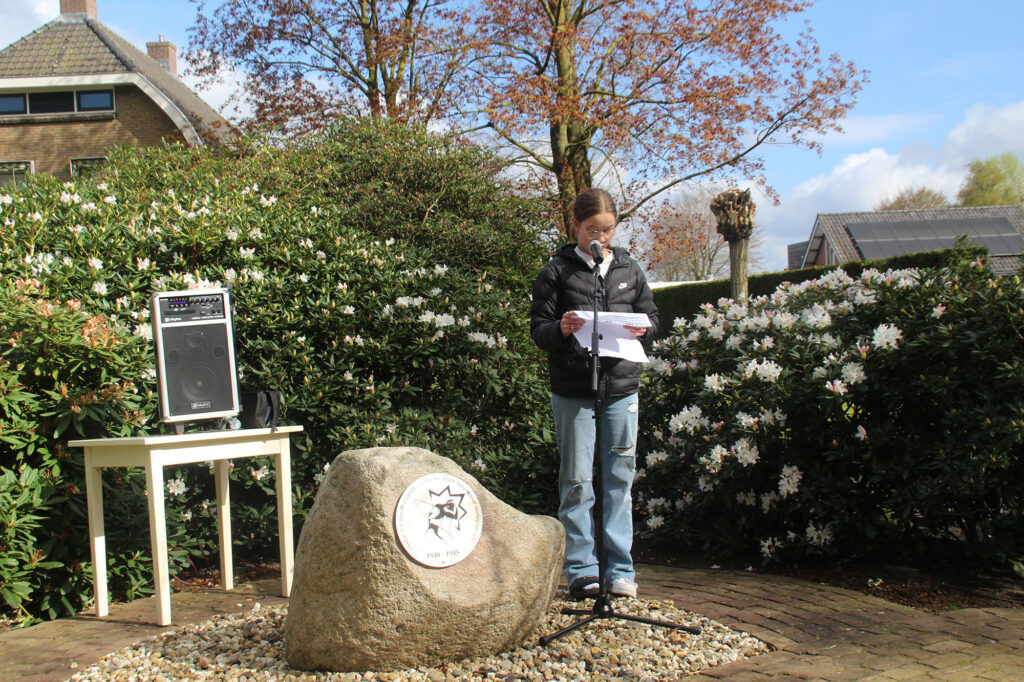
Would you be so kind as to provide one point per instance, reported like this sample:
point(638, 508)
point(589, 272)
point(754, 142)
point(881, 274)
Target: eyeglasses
point(598, 233)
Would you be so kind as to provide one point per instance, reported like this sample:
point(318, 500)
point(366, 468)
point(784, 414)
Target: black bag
point(260, 409)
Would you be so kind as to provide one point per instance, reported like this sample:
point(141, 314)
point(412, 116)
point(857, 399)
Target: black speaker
point(195, 355)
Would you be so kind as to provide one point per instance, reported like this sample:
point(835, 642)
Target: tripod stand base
point(603, 609)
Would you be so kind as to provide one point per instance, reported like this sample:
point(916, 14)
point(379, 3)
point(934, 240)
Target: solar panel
point(893, 238)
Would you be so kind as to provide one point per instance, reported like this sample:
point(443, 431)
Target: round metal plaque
point(438, 520)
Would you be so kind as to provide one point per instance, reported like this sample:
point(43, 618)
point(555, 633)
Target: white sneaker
point(623, 587)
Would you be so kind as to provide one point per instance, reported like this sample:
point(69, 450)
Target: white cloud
point(986, 131)
point(861, 180)
point(21, 17)
point(864, 130)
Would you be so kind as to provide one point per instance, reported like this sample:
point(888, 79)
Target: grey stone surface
point(360, 603)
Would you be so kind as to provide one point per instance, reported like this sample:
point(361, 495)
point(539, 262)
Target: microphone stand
point(602, 605)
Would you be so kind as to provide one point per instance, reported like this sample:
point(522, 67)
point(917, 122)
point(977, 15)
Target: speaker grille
point(195, 355)
point(198, 375)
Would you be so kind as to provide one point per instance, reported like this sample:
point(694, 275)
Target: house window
point(56, 102)
point(14, 173)
point(51, 102)
point(84, 167)
point(95, 100)
point(12, 104)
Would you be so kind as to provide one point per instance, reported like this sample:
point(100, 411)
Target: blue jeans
point(575, 428)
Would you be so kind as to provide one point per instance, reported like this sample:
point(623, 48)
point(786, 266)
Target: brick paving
point(829, 633)
point(817, 632)
point(53, 651)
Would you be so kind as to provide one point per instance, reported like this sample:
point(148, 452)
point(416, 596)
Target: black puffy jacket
point(566, 283)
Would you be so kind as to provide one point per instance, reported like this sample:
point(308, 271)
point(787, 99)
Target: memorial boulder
point(406, 560)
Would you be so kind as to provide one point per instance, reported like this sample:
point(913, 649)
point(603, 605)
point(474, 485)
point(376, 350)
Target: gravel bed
point(250, 646)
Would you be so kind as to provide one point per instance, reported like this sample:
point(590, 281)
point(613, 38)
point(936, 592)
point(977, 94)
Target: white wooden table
point(154, 453)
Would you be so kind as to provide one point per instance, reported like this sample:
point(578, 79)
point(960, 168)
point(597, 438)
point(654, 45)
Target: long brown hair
point(592, 201)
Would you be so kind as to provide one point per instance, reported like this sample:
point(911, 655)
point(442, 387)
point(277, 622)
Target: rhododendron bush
point(840, 416)
point(380, 280)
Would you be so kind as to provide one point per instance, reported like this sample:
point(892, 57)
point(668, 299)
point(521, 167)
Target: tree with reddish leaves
point(306, 62)
point(661, 91)
point(681, 242)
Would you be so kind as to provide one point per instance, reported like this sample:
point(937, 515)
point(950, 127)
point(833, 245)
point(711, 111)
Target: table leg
point(158, 540)
point(283, 464)
point(97, 534)
point(227, 569)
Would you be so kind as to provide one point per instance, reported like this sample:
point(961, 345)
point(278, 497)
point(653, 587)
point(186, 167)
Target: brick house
point(867, 235)
point(72, 88)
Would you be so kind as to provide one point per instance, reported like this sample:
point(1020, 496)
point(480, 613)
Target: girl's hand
point(571, 322)
point(636, 331)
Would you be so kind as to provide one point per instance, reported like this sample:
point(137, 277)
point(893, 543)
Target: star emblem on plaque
point(438, 520)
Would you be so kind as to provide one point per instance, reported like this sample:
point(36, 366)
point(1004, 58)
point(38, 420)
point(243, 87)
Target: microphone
point(596, 252)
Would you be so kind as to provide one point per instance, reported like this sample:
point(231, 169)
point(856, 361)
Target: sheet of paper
point(616, 341)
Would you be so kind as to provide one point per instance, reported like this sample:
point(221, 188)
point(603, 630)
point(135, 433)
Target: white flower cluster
point(747, 499)
point(771, 417)
point(713, 460)
point(440, 321)
point(819, 535)
point(853, 373)
point(745, 451)
point(817, 317)
point(765, 370)
point(835, 386)
point(886, 336)
point(483, 338)
point(656, 457)
point(770, 547)
point(715, 383)
point(747, 421)
point(789, 480)
point(659, 366)
point(690, 419)
point(319, 476)
point(656, 504)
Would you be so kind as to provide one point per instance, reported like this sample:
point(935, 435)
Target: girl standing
point(566, 284)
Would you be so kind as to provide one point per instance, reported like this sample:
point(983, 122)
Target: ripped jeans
point(574, 426)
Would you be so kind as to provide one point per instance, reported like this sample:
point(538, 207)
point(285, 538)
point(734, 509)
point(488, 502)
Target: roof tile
point(59, 48)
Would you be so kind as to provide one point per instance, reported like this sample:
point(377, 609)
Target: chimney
point(78, 7)
point(165, 53)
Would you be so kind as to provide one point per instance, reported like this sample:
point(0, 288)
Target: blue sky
point(945, 88)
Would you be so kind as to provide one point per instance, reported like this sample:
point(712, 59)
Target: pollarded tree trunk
point(738, 251)
point(734, 212)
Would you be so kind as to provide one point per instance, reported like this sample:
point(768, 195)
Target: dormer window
point(56, 102)
point(95, 100)
point(51, 102)
point(12, 105)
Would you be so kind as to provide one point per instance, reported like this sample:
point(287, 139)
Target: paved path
point(829, 633)
point(818, 632)
point(53, 651)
